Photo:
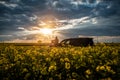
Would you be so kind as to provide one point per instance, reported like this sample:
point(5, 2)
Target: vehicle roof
point(78, 38)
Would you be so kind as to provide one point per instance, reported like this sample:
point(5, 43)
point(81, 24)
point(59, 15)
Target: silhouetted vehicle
point(77, 42)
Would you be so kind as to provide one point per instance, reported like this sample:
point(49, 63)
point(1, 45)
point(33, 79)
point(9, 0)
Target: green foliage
point(59, 63)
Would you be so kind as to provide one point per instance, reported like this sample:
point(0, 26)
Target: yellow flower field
point(100, 62)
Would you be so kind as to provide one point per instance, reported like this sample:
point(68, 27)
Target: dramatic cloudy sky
point(23, 20)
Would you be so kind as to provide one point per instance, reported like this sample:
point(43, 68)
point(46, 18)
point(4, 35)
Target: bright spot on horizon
point(46, 31)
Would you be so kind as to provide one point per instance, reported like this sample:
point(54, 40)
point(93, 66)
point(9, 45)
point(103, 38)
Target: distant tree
point(39, 41)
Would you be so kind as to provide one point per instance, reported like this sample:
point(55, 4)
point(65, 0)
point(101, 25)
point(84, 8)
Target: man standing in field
point(55, 42)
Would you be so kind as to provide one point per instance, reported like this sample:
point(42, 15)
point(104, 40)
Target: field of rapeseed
point(59, 63)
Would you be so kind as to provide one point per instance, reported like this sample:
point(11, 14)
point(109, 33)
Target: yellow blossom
point(102, 68)
point(88, 72)
point(52, 68)
point(66, 59)
point(67, 65)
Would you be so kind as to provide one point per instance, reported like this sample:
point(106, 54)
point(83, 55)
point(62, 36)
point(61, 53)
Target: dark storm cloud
point(111, 8)
point(103, 15)
point(81, 8)
point(17, 13)
point(97, 26)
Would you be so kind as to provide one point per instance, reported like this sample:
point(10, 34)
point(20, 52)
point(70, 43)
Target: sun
point(46, 31)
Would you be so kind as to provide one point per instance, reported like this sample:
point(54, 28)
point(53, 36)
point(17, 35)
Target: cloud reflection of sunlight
point(46, 31)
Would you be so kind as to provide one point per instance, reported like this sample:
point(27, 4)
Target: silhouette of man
point(56, 40)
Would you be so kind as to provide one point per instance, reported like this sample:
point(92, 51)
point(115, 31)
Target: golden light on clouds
point(46, 31)
point(48, 21)
point(47, 24)
point(46, 28)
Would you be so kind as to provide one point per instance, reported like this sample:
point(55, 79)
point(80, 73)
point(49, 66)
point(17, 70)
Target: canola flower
point(67, 65)
point(59, 63)
point(52, 68)
point(88, 72)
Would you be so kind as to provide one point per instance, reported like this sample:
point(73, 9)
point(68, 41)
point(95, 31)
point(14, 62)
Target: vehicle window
point(68, 42)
